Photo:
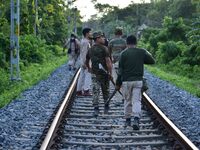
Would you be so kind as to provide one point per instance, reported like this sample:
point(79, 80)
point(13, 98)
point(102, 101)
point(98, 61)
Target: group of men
point(97, 60)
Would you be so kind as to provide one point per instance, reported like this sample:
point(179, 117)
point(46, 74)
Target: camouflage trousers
point(100, 81)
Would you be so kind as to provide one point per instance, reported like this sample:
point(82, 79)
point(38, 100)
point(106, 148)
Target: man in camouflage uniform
point(101, 69)
point(116, 45)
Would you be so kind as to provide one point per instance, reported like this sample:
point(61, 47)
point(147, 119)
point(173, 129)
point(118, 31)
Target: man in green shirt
point(130, 76)
point(101, 69)
point(116, 45)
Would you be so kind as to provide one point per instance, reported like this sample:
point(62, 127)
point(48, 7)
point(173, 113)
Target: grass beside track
point(187, 84)
point(30, 76)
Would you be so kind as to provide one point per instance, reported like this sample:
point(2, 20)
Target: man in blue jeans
point(130, 77)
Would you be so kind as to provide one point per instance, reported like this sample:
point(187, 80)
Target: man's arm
point(87, 62)
point(84, 51)
point(119, 75)
point(109, 65)
point(148, 59)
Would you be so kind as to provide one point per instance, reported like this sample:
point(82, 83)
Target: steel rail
point(52, 130)
point(178, 135)
point(182, 140)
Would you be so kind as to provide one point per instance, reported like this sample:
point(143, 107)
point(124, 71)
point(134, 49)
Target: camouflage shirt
point(115, 48)
point(97, 53)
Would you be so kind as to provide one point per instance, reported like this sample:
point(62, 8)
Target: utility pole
point(69, 2)
point(14, 40)
point(75, 28)
point(36, 18)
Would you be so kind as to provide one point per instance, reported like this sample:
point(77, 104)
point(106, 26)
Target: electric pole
point(14, 40)
point(75, 28)
point(36, 18)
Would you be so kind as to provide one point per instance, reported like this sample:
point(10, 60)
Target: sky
point(87, 9)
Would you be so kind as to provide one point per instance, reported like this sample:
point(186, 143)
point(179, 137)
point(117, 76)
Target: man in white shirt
point(84, 80)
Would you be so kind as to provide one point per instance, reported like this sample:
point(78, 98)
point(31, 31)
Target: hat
point(97, 34)
point(118, 30)
point(73, 35)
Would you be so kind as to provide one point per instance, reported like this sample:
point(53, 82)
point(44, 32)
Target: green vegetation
point(171, 34)
point(41, 48)
point(188, 84)
point(31, 75)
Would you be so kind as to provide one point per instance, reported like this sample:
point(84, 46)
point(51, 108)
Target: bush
point(146, 33)
point(4, 51)
point(167, 52)
point(55, 49)
point(192, 55)
point(33, 49)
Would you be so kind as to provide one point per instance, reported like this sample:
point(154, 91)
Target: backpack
point(77, 50)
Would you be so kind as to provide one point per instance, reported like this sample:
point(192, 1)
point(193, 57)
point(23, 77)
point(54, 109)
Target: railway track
point(75, 127)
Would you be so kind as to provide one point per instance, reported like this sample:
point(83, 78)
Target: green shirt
point(115, 47)
point(131, 64)
point(97, 53)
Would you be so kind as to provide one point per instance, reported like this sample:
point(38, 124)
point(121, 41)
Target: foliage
point(181, 81)
point(192, 55)
point(4, 51)
point(32, 74)
point(33, 50)
point(176, 29)
point(167, 51)
point(181, 8)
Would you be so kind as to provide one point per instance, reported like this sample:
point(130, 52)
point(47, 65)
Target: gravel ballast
point(32, 110)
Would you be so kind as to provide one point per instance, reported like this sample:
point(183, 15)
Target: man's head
point(118, 31)
point(73, 36)
point(131, 40)
point(98, 37)
point(87, 32)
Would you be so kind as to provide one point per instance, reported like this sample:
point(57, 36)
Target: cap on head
point(97, 34)
point(118, 31)
point(73, 35)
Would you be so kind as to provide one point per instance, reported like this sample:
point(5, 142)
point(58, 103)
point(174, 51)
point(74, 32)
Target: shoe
point(79, 93)
point(128, 122)
point(136, 123)
point(106, 108)
point(96, 111)
point(87, 93)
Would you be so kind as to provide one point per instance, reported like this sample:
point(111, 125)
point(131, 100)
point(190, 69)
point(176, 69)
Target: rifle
point(111, 96)
point(111, 79)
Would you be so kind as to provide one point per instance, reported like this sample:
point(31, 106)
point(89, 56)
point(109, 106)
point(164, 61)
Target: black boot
point(136, 123)
point(128, 122)
point(96, 111)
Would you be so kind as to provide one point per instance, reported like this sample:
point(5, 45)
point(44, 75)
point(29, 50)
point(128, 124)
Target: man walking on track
point(130, 76)
point(116, 45)
point(84, 81)
point(73, 51)
point(101, 70)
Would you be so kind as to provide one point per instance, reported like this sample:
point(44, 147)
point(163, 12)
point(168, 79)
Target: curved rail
point(52, 130)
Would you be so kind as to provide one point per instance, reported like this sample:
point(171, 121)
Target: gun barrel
point(111, 96)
